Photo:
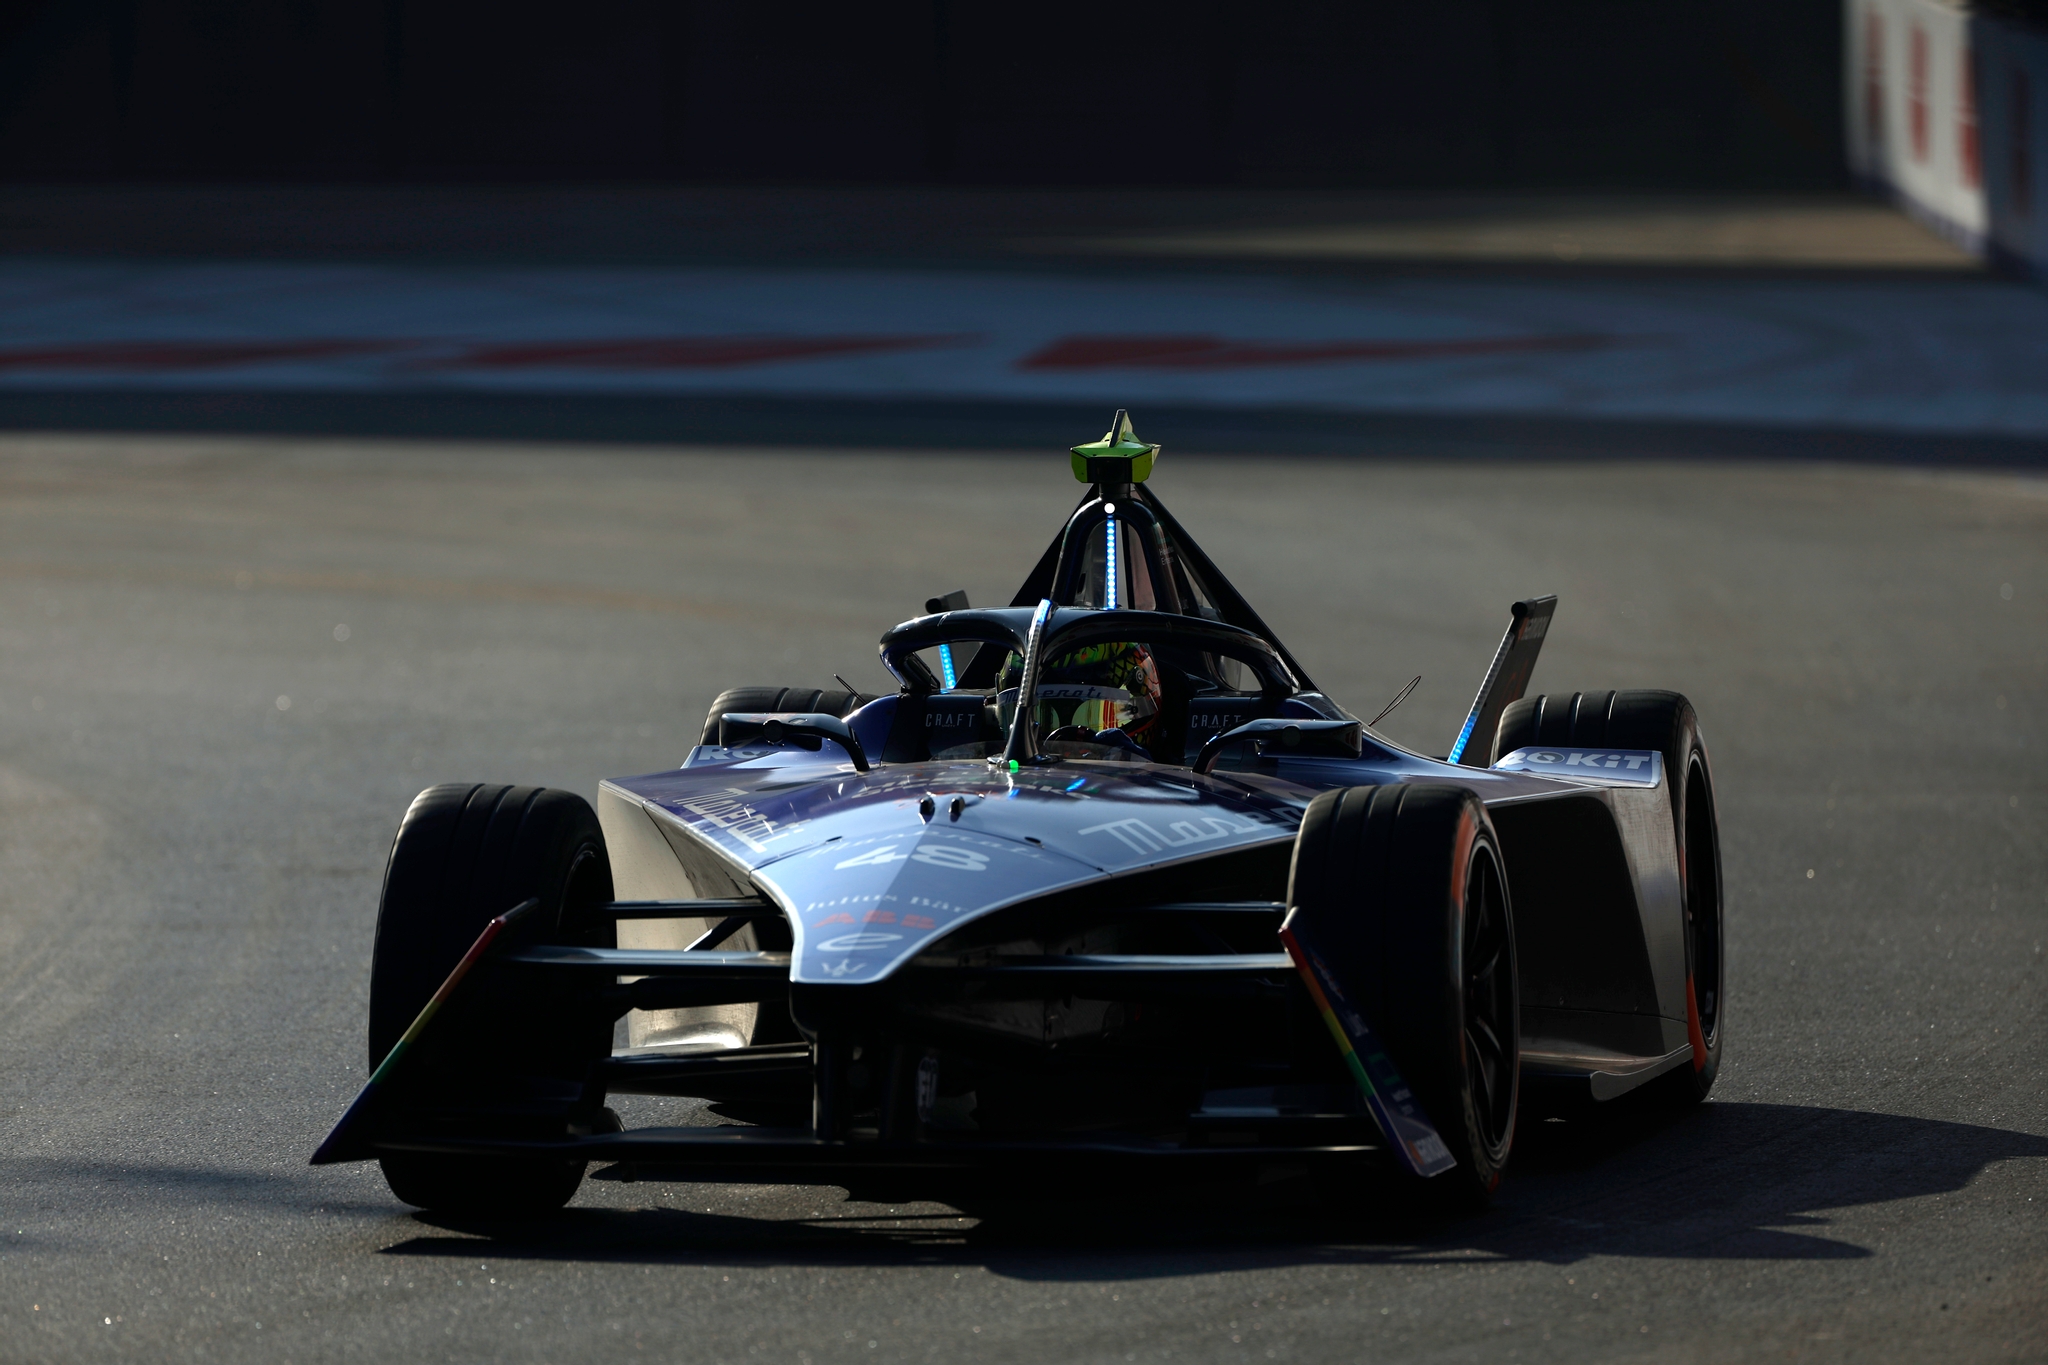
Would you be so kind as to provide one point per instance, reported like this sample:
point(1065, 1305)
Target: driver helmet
point(1110, 686)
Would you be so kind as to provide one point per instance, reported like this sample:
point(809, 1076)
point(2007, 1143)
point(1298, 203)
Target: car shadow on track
point(1727, 1181)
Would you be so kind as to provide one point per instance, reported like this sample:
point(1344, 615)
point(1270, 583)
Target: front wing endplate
point(1393, 1105)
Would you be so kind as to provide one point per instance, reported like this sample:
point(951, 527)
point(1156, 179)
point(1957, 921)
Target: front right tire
point(1666, 722)
point(826, 700)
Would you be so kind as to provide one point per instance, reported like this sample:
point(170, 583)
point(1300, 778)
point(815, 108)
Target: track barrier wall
point(1736, 94)
point(1946, 112)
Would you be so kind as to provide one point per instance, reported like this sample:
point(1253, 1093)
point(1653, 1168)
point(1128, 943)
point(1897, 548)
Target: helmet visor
point(1090, 705)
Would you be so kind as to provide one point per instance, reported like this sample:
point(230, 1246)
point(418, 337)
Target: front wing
point(446, 1089)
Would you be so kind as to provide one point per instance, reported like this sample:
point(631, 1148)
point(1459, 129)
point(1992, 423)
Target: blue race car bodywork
point(1016, 918)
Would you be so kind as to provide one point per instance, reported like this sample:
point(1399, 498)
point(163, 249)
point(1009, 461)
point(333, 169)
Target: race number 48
point(937, 855)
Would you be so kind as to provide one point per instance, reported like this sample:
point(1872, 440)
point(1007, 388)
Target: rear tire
point(1666, 722)
point(829, 701)
point(1417, 869)
point(464, 854)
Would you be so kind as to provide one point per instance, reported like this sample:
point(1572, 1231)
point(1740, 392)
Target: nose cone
point(875, 867)
point(867, 904)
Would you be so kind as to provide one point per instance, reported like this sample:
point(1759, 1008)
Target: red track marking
point(678, 353)
point(184, 355)
point(1213, 353)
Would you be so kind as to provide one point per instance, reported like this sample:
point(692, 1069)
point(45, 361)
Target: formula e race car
point(1107, 888)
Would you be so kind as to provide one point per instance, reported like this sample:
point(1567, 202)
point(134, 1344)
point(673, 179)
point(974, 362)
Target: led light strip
point(1464, 736)
point(1022, 743)
point(1500, 658)
point(1109, 567)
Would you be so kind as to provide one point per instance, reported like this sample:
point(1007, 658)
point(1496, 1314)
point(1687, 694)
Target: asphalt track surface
point(199, 777)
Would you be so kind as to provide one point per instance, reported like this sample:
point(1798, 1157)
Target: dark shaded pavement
point(198, 783)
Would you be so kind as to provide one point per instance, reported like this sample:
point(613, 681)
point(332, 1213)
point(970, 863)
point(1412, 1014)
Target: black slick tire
point(826, 700)
point(1666, 722)
point(1416, 871)
point(464, 854)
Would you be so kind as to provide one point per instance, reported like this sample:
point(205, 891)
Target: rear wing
point(1506, 679)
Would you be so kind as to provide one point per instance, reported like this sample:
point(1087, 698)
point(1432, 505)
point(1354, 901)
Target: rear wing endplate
point(1506, 679)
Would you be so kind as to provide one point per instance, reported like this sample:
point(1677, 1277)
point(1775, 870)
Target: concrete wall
point(1946, 111)
point(1676, 94)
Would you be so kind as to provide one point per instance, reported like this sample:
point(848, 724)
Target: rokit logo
point(1609, 767)
point(1575, 758)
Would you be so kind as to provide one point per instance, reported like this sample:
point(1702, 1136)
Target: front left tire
point(465, 853)
point(1414, 873)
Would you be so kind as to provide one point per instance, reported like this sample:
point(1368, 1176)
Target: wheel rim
point(1703, 900)
point(1491, 1028)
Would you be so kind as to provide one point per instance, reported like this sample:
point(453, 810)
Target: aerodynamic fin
point(1507, 677)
